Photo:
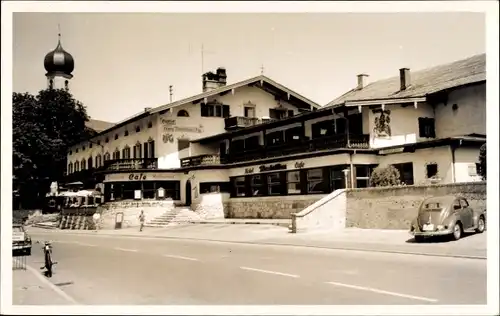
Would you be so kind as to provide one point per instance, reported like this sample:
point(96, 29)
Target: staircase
point(176, 216)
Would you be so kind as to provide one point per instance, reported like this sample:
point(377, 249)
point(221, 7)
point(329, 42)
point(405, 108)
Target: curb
point(236, 223)
point(426, 254)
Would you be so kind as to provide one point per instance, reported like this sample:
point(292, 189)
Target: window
point(70, 168)
point(70, 152)
point(83, 148)
point(214, 187)
point(182, 144)
point(239, 185)
point(90, 145)
point(426, 127)
point(363, 174)
point(215, 109)
point(249, 111)
point(150, 124)
point(405, 172)
point(137, 150)
point(98, 161)
point(252, 143)
point(77, 166)
point(274, 186)
point(172, 189)
point(106, 140)
point(432, 170)
point(106, 157)
point(456, 205)
point(98, 142)
point(338, 178)
point(116, 136)
point(294, 134)
point(89, 162)
point(148, 190)
point(83, 164)
point(76, 150)
point(237, 145)
point(183, 113)
point(151, 150)
point(275, 138)
point(137, 129)
point(126, 152)
point(116, 154)
point(279, 114)
point(257, 185)
point(323, 128)
point(293, 182)
point(315, 181)
point(126, 133)
point(473, 169)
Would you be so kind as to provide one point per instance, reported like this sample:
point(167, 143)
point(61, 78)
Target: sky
point(125, 62)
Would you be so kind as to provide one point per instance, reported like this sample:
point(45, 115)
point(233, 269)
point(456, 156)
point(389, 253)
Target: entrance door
point(188, 193)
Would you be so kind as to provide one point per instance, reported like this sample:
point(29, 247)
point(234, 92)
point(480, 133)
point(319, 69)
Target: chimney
point(215, 80)
point(361, 81)
point(404, 77)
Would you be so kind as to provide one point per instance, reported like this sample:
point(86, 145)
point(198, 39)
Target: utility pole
point(170, 88)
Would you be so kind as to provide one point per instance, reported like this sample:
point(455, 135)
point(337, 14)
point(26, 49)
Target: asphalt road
point(119, 270)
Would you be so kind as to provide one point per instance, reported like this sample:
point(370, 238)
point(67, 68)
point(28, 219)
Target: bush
point(482, 161)
point(384, 176)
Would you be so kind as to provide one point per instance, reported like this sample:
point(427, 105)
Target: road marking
point(271, 272)
point(369, 289)
point(52, 286)
point(181, 257)
point(85, 244)
point(124, 249)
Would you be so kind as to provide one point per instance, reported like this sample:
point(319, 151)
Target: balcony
point(236, 122)
point(201, 160)
point(290, 148)
point(131, 164)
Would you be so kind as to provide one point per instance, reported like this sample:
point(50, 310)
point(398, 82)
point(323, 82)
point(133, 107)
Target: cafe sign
point(137, 176)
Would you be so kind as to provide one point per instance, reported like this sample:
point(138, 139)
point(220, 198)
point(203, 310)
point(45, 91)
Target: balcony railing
point(242, 121)
point(131, 164)
point(201, 160)
point(323, 143)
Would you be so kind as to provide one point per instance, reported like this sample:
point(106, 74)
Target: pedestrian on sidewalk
point(96, 217)
point(142, 218)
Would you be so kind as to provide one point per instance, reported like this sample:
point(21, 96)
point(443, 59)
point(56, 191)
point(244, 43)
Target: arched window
point(116, 154)
point(76, 166)
point(70, 168)
point(126, 152)
point(183, 113)
point(98, 161)
point(106, 157)
point(137, 150)
point(83, 164)
point(89, 162)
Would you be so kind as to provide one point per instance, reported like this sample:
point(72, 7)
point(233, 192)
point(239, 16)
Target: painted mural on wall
point(171, 129)
point(382, 124)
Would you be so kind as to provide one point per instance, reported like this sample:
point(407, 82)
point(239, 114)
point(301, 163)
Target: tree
point(43, 127)
point(482, 161)
point(383, 176)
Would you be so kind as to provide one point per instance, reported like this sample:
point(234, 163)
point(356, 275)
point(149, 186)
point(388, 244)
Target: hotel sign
point(272, 167)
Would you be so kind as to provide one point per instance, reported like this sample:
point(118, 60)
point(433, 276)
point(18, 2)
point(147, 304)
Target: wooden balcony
point(201, 160)
point(236, 122)
point(297, 147)
point(131, 164)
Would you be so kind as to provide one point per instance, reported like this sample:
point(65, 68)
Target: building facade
point(233, 146)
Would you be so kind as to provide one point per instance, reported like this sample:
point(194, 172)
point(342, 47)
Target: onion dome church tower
point(59, 65)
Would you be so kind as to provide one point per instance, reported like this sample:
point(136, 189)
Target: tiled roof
point(423, 82)
point(98, 125)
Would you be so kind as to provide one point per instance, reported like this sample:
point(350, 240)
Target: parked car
point(21, 241)
point(447, 216)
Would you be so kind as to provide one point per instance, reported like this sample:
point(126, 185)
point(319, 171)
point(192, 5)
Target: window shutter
point(204, 110)
point(226, 111)
point(432, 123)
point(145, 145)
point(218, 110)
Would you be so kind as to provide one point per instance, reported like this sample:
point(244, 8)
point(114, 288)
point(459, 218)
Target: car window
point(456, 204)
point(464, 203)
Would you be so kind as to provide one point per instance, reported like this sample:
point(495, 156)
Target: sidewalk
point(390, 241)
point(29, 288)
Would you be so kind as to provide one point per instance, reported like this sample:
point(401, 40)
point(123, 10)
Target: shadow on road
point(437, 239)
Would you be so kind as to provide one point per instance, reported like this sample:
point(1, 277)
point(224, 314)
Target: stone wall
point(396, 207)
point(131, 211)
point(279, 207)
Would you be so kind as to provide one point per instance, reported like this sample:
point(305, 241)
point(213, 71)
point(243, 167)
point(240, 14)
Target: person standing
point(142, 218)
point(96, 217)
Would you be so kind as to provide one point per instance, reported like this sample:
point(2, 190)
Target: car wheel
point(457, 231)
point(480, 225)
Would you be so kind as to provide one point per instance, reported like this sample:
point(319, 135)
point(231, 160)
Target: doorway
point(188, 193)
